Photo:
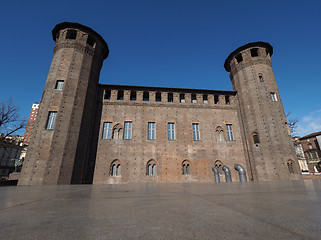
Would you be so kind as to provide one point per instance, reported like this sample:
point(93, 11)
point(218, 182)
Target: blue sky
point(169, 44)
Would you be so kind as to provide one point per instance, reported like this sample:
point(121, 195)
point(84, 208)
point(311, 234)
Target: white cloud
point(310, 124)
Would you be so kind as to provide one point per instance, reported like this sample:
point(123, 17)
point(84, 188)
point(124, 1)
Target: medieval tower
point(266, 136)
point(59, 147)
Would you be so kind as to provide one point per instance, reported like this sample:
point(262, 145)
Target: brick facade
point(80, 132)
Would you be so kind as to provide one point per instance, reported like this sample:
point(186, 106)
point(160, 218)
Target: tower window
point(158, 97)
point(205, 98)
point(239, 58)
point(196, 131)
point(254, 52)
point(227, 99)
point(115, 169)
point(107, 94)
point(71, 34)
point(261, 78)
point(290, 166)
point(182, 97)
point(255, 138)
point(146, 96)
point(193, 97)
point(128, 130)
point(59, 84)
point(90, 41)
point(133, 95)
point(229, 131)
point(220, 134)
point(273, 96)
point(120, 95)
point(215, 99)
point(151, 168)
point(51, 120)
point(107, 130)
point(151, 131)
point(170, 97)
point(171, 131)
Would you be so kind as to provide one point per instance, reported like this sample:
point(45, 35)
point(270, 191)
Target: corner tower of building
point(59, 146)
point(265, 132)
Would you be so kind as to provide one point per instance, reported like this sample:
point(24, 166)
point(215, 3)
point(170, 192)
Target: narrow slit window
point(71, 34)
point(133, 95)
point(239, 58)
point(254, 52)
point(59, 84)
point(261, 78)
point(193, 98)
point(170, 97)
point(120, 95)
point(158, 97)
point(182, 98)
point(146, 96)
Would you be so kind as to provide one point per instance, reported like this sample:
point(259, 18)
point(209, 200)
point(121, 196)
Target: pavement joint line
point(21, 204)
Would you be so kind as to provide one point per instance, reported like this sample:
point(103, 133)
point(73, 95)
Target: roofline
point(168, 89)
point(79, 26)
point(311, 135)
point(249, 45)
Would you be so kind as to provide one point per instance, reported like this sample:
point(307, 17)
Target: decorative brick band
point(74, 45)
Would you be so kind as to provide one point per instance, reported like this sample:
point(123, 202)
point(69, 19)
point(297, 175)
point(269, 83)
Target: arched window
point(220, 134)
point(117, 132)
point(115, 168)
point(186, 168)
point(219, 165)
point(151, 168)
point(290, 164)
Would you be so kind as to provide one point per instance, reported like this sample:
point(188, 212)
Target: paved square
point(253, 210)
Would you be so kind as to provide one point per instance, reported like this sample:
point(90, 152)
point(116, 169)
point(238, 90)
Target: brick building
point(30, 124)
point(310, 145)
point(87, 132)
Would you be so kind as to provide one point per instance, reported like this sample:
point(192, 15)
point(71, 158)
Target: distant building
point(11, 149)
point(30, 124)
point(310, 145)
point(300, 154)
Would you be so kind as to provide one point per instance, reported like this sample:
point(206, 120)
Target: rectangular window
point(229, 131)
point(51, 120)
point(128, 130)
point(273, 96)
point(158, 97)
point(171, 131)
point(59, 84)
point(107, 130)
point(151, 131)
point(170, 97)
point(196, 132)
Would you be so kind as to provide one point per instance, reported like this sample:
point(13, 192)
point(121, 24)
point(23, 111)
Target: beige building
point(87, 132)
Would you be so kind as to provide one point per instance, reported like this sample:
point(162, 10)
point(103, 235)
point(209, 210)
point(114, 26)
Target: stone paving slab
point(277, 210)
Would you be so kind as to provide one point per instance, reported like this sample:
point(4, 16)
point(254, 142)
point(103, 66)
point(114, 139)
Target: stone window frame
point(115, 168)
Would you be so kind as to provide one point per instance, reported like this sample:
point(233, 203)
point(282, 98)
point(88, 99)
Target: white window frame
point(51, 120)
point(127, 130)
point(196, 131)
point(229, 131)
point(171, 131)
point(107, 130)
point(151, 131)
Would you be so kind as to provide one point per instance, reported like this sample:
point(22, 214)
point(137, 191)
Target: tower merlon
point(237, 55)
